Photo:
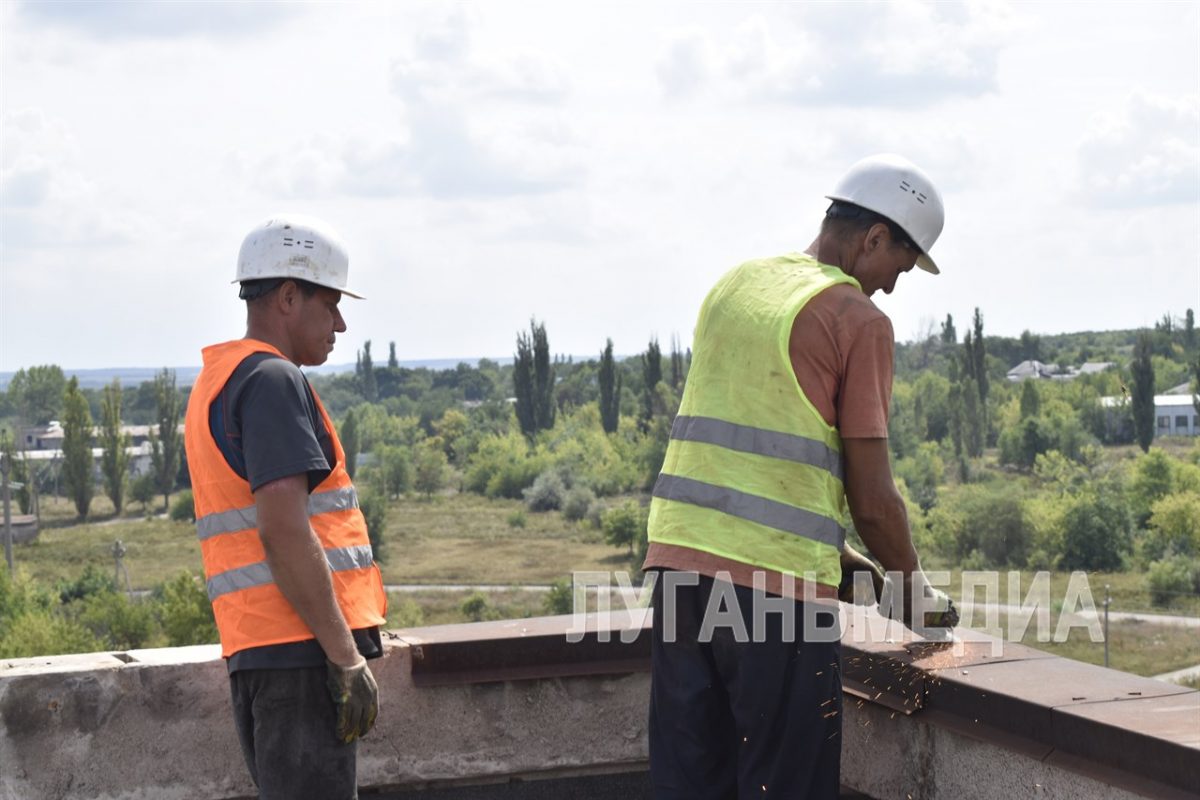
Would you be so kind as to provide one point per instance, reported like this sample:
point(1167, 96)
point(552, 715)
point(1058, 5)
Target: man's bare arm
point(876, 505)
point(299, 567)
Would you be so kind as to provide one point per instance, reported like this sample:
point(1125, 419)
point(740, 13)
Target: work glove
point(355, 699)
point(854, 562)
point(940, 614)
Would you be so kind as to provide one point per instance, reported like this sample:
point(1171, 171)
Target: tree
point(37, 393)
point(979, 368)
point(651, 376)
point(949, 334)
point(374, 511)
point(1030, 402)
point(973, 426)
point(610, 390)
point(622, 525)
point(350, 441)
point(364, 368)
point(166, 447)
point(1142, 394)
point(430, 472)
point(533, 380)
point(1096, 532)
point(543, 379)
point(677, 376)
point(1030, 347)
point(18, 471)
point(114, 462)
point(1189, 331)
point(77, 447)
point(392, 362)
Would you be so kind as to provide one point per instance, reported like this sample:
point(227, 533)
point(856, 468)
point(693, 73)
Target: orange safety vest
point(250, 609)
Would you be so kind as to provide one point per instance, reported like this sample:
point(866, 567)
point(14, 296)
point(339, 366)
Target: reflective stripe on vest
point(259, 574)
point(240, 519)
point(753, 508)
point(759, 441)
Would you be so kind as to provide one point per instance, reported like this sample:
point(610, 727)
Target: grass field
point(466, 539)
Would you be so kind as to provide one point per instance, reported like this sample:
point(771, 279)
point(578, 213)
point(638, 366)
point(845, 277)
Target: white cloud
point(1145, 153)
point(479, 124)
point(128, 19)
point(901, 55)
point(46, 196)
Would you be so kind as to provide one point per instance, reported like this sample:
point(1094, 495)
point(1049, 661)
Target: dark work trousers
point(749, 719)
point(285, 721)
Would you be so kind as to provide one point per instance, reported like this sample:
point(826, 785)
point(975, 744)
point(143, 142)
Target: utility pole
point(4, 470)
point(1107, 601)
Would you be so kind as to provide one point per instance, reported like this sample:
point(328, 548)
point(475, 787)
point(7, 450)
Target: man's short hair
point(261, 287)
point(844, 219)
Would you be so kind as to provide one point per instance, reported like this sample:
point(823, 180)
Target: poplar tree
point(114, 461)
point(351, 441)
point(543, 379)
point(610, 390)
point(533, 380)
point(651, 376)
point(1031, 403)
point(366, 373)
point(1142, 393)
point(77, 447)
point(677, 372)
point(973, 426)
point(949, 334)
point(166, 447)
point(979, 365)
point(392, 362)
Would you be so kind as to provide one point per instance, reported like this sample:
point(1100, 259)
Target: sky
point(596, 166)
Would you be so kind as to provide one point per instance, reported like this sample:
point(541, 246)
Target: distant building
point(1174, 414)
point(1036, 369)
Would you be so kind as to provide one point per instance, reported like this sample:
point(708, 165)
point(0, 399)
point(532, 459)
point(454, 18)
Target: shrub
point(1174, 526)
point(988, 520)
point(41, 632)
point(502, 467)
point(560, 599)
point(405, 614)
point(186, 613)
point(1169, 578)
point(516, 519)
point(546, 493)
point(143, 491)
point(577, 503)
point(624, 524)
point(431, 468)
point(1096, 532)
point(92, 581)
point(476, 608)
point(117, 621)
point(184, 508)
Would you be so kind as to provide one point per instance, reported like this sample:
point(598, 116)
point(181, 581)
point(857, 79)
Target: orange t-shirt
point(842, 351)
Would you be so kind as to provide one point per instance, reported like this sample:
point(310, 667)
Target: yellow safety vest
point(753, 473)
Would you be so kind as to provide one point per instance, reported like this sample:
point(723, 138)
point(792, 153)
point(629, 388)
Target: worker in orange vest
point(296, 593)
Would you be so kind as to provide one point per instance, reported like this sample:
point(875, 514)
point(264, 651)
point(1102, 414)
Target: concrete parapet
point(504, 705)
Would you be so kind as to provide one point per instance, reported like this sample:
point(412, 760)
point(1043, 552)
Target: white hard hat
point(295, 246)
point(894, 187)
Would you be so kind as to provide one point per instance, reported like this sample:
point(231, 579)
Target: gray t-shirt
point(266, 423)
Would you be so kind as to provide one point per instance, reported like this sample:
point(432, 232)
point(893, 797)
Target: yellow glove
point(355, 699)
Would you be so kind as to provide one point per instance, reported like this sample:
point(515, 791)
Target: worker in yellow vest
point(781, 440)
point(295, 590)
